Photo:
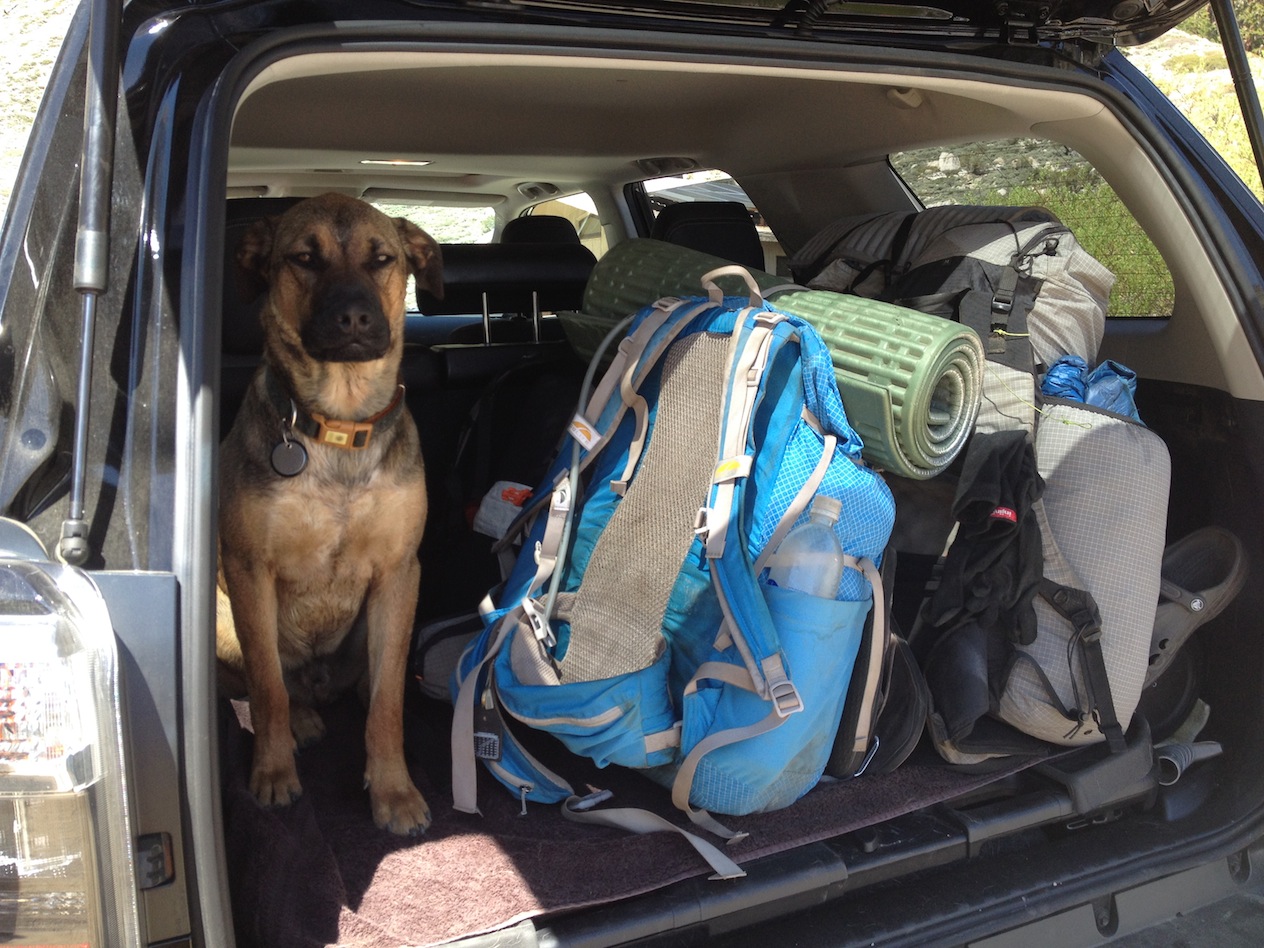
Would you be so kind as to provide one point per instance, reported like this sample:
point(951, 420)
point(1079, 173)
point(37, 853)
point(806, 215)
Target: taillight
point(66, 870)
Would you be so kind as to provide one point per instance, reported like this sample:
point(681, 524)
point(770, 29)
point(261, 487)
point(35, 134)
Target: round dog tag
point(289, 458)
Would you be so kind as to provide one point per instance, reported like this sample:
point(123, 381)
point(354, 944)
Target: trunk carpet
point(320, 873)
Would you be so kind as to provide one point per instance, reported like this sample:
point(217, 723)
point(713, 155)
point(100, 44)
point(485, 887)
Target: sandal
point(1201, 574)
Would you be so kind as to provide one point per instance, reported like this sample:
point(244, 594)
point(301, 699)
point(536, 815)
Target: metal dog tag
point(289, 458)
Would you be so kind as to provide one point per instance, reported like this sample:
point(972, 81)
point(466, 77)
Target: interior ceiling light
point(395, 162)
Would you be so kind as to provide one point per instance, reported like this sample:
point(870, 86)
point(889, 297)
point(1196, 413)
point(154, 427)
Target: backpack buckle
point(785, 697)
point(701, 527)
point(539, 623)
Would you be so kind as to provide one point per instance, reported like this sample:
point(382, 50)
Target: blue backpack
point(638, 625)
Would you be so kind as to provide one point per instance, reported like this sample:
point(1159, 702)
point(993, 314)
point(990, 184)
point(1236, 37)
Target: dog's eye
point(381, 260)
point(305, 259)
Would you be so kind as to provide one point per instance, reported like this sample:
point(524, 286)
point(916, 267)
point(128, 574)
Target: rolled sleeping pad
point(911, 383)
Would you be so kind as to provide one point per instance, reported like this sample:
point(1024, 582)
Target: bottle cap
point(827, 506)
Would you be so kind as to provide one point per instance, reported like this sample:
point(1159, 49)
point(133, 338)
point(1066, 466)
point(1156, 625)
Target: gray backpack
point(1036, 629)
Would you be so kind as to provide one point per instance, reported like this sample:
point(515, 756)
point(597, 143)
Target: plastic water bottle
point(811, 559)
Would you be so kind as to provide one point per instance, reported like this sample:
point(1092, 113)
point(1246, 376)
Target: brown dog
point(323, 497)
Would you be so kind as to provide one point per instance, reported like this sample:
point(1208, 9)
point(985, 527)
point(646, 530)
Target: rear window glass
point(448, 225)
point(1029, 171)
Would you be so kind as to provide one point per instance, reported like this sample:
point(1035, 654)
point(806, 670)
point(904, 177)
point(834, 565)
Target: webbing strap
point(629, 353)
point(1078, 607)
point(464, 763)
point(642, 821)
point(464, 758)
point(799, 503)
point(745, 376)
point(547, 549)
point(683, 784)
point(878, 644)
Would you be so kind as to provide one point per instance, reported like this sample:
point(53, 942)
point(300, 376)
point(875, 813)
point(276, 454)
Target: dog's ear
point(423, 255)
point(254, 254)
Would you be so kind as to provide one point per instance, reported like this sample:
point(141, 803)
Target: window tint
point(1029, 171)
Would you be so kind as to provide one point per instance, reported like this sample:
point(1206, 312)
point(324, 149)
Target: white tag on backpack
point(583, 432)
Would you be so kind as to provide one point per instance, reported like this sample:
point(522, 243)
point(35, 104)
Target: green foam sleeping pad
point(911, 383)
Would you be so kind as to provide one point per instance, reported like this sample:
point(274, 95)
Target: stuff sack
point(1039, 623)
point(1003, 271)
point(639, 627)
point(1036, 629)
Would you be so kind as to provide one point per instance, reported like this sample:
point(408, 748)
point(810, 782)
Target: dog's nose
point(355, 320)
point(347, 325)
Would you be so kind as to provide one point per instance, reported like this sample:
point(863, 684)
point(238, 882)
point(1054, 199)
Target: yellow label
point(336, 437)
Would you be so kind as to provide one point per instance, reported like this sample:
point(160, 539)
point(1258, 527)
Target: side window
point(1028, 171)
point(580, 210)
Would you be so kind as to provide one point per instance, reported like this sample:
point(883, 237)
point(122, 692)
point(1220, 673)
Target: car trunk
point(928, 849)
point(929, 853)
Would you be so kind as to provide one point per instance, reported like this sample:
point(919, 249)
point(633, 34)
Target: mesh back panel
point(616, 626)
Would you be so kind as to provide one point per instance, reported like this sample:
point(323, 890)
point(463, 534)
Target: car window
point(1042, 173)
point(446, 224)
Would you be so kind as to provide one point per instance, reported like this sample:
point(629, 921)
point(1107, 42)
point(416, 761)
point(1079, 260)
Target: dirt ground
point(30, 36)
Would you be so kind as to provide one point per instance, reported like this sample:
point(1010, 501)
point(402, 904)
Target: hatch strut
point(92, 244)
point(1243, 83)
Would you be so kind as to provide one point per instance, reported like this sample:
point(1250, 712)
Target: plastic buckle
point(701, 528)
point(785, 697)
point(539, 623)
point(561, 501)
point(1090, 629)
point(589, 800)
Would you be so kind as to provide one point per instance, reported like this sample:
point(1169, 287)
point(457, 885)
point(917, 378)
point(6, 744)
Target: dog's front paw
point(275, 785)
point(401, 809)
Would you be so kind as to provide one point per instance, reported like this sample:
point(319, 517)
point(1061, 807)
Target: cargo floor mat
point(319, 872)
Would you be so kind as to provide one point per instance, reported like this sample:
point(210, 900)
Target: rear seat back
point(539, 229)
point(241, 341)
point(720, 228)
point(515, 279)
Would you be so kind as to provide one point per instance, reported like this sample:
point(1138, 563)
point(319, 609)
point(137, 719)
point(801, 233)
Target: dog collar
point(336, 432)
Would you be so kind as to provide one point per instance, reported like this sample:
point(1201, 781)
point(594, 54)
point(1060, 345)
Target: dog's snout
point(347, 325)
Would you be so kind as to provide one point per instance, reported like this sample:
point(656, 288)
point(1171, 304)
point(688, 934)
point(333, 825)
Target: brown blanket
point(318, 872)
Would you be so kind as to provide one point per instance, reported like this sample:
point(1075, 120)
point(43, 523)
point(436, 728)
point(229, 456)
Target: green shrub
point(1197, 62)
point(1250, 16)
